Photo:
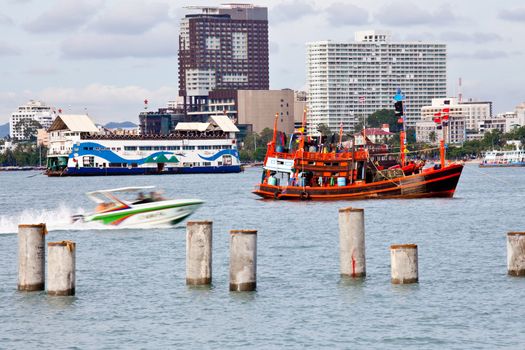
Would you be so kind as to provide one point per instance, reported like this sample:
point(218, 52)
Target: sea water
point(131, 290)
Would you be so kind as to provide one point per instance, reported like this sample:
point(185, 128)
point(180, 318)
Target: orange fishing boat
point(351, 174)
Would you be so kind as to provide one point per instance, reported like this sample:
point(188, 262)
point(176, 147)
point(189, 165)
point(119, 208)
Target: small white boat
point(147, 209)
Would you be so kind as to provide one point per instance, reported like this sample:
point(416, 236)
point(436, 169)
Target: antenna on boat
point(399, 110)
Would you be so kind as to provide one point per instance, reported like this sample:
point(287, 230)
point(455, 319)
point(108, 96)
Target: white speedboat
point(147, 209)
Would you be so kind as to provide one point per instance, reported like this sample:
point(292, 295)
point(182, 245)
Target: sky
point(104, 57)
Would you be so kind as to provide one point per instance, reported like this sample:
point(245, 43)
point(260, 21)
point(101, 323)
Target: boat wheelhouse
point(78, 148)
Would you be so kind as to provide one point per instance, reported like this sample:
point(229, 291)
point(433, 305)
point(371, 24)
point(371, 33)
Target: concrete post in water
point(198, 252)
point(516, 253)
point(404, 263)
point(61, 268)
point(31, 257)
point(243, 260)
point(352, 242)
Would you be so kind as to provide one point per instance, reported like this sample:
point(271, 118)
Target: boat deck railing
point(317, 156)
point(172, 136)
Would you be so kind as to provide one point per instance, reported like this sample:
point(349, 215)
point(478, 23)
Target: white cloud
point(159, 42)
point(7, 49)
point(134, 17)
point(107, 102)
point(408, 14)
point(341, 14)
point(41, 71)
point(64, 16)
point(476, 37)
point(5, 20)
point(486, 55)
point(291, 11)
point(515, 15)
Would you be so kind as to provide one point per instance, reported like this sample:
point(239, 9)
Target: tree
point(324, 129)
point(432, 136)
point(384, 116)
point(28, 127)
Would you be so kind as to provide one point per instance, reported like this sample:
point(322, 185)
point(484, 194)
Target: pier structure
point(31, 257)
point(61, 264)
point(352, 242)
point(516, 253)
point(199, 252)
point(404, 264)
point(243, 260)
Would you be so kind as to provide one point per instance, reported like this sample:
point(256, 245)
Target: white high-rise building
point(349, 81)
point(23, 118)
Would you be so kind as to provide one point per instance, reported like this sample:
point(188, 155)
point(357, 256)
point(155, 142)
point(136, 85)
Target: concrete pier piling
point(404, 267)
point(61, 268)
point(516, 253)
point(198, 252)
point(243, 260)
point(352, 242)
point(31, 257)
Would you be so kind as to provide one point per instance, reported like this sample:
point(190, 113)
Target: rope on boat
point(417, 151)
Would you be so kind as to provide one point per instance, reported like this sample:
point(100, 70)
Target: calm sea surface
point(131, 290)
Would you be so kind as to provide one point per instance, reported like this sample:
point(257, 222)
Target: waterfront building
point(464, 118)
point(257, 108)
point(497, 123)
point(349, 81)
point(222, 48)
point(162, 121)
point(251, 110)
point(300, 104)
point(66, 130)
point(25, 121)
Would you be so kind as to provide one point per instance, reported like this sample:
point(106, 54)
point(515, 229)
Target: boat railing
point(316, 156)
point(173, 136)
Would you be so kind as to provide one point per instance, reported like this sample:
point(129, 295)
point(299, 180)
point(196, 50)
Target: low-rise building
point(375, 135)
point(65, 131)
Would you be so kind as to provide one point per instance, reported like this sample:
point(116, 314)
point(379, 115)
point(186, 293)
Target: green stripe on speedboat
point(108, 218)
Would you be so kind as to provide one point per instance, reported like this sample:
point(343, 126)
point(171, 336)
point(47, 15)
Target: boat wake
point(55, 219)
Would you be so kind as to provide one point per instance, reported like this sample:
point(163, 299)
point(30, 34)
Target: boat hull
point(72, 171)
point(147, 215)
point(432, 183)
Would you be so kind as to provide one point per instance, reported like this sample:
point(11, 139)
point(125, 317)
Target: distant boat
point(77, 148)
point(148, 209)
point(493, 159)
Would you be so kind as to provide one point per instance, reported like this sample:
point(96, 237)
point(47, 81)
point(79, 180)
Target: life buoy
point(305, 195)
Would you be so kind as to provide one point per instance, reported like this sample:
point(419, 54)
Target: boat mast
point(303, 126)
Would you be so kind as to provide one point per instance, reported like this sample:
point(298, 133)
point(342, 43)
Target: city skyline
point(106, 57)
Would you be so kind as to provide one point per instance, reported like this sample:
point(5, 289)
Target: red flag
point(438, 114)
point(437, 120)
point(445, 117)
point(446, 110)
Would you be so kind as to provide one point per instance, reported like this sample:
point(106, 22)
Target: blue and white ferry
point(78, 148)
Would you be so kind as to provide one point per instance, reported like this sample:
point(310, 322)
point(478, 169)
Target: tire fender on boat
point(276, 194)
point(304, 195)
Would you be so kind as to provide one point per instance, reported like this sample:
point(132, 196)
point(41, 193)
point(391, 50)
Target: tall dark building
point(222, 48)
